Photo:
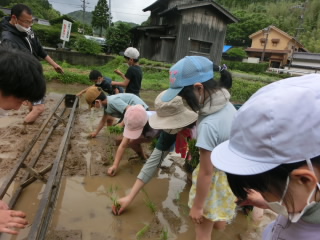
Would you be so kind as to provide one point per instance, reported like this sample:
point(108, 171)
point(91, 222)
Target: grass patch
point(242, 90)
point(156, 76)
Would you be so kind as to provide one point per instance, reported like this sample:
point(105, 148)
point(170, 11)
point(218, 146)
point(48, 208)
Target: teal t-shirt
point(215, 128)
point(119, 102)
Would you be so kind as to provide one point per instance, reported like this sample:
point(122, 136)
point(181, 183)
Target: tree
point(118, 37)
point(238, 33)
point(101, 16)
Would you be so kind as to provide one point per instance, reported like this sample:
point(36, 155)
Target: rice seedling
point(164, 234)
point(143, 231)
point(112, 194)
point(151, 205)
point(115, 130)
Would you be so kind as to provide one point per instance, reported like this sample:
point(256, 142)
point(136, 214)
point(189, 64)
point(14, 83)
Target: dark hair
point(94, 75)
point(21, 75)
point(209, 87)
point(18, 9)
point(273, 181)
point(146, 129)
point(135, 60)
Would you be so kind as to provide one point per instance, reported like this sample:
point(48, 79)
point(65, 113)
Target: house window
point(275, 41)
point(199, 46)
point(263, 41)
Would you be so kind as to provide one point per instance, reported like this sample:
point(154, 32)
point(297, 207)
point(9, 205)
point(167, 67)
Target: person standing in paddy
point(133, 77)
point(211, 201)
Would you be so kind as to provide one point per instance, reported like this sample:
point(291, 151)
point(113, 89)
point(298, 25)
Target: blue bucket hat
point(188, 71)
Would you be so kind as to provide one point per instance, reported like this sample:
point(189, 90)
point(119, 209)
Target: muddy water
point(83, 207)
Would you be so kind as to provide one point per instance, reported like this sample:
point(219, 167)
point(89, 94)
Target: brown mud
point(83, 207)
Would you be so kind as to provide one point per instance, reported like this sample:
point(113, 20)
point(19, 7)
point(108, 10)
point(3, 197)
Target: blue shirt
point(117, 104)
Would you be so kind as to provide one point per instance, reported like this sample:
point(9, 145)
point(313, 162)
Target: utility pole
point(109, 13)
point(298, 29)
point(84, 6)
point(266, 32)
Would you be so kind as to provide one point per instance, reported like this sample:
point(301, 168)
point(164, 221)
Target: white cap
point(131, 52)
point(279, 124)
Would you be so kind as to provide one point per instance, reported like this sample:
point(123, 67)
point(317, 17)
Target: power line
point(132, 13)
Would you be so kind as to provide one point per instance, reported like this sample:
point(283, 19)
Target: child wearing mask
point(272, 159)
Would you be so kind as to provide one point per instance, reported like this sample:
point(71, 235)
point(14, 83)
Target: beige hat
point(171, 115)
point(91, 94)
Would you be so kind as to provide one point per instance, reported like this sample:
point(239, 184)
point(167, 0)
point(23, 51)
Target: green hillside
point(40, 8)
point(78, 16)
point(299, 18)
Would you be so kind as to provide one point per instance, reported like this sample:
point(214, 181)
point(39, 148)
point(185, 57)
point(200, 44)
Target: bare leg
point(204, 230)
point(110, 120)
point(220, 225)
point(137, 147)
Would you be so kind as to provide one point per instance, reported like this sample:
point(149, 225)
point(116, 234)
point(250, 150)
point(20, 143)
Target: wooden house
point(180, 28)
point(273, 45)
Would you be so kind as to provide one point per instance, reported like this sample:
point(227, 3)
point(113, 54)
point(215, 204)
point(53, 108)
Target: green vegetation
point(247, 67)
point(242, 90)
point(115, 130)
point(40, 8)
point(151, 205)
point(237, 53)
point(100, 16)
point(112, 194)
point(88, 46)
point(143, 231)
point(244, 84)
point(164, 234)
point(284, 14)
point(118, 37)
point(192, 160)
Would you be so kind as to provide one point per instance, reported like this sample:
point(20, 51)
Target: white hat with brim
point(279, 124)
point(171, 115)
point(224, 159)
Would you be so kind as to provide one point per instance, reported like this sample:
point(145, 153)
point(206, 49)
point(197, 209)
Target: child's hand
point(112, 171)
point(121, 205)
point(93, 135)
point(11, 220)
point(254, 198)
point(117, 71)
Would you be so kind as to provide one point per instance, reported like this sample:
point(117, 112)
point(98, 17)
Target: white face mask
point(22, 29)
point(281, 209)
point(172, 131)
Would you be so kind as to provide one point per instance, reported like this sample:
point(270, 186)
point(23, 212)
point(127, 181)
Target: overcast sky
point(123, 10)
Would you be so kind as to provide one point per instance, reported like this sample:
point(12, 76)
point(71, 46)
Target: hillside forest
point(299, 18)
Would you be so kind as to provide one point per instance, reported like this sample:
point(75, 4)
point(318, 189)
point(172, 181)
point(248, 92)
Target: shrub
point(242, 90)
point(87, 46)
point(1, 14)
point(48, 35)
point(247, 67)
point(237, 52)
